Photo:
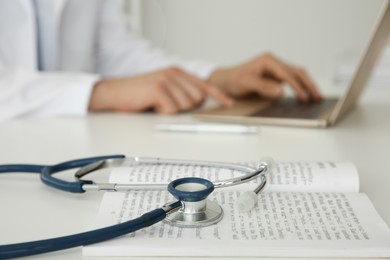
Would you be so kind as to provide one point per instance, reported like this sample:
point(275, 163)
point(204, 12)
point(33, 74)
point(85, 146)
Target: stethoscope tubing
point(23, 168)
point(46, 172)
point(76, 186)
point(82, 239)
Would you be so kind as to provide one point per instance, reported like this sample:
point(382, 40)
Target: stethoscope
point(191, 209)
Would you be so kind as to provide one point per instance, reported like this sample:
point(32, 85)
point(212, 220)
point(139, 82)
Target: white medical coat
point(94, 42)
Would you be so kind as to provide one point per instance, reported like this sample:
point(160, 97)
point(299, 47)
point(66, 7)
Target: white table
point(31, 211)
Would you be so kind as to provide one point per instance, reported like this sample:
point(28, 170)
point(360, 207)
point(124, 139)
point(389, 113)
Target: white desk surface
point(31, 211)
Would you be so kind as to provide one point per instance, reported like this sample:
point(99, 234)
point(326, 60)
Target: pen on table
point(208, 128)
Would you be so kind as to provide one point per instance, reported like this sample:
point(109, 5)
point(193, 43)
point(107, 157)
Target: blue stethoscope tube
point(45, 172)
point(81, 239)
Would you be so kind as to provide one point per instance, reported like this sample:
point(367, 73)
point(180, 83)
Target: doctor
point(70, 57)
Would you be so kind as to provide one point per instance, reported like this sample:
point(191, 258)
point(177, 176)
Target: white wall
point(312, 33)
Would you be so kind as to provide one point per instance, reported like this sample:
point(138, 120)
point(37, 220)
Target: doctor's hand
point(167, 91)
point(265, 76)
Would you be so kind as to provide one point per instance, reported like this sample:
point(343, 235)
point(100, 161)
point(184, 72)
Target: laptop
point(290, 112)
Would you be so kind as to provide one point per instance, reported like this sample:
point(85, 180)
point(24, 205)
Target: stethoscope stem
point(262, 184)
point(122, 187)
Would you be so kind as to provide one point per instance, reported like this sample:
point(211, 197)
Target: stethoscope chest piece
point(197, 210)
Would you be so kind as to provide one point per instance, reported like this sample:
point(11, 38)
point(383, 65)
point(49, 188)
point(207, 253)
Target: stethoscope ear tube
point(81, 239)
point(77, 186)
point(74, 187)
point(47, 171)
point(33, 168)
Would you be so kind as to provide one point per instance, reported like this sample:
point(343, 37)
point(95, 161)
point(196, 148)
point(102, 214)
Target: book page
point(282, 224)
point(314, 177)
point(286, 176)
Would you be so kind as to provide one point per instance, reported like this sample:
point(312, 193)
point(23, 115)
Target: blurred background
point(324, 36)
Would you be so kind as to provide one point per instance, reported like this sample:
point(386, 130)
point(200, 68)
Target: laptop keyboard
point(292, 108)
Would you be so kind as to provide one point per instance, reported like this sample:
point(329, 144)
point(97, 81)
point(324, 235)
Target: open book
point(308, 209)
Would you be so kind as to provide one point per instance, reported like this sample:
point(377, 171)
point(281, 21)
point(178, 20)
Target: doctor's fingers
point(188, 91)
point(172, 96)
point(180, 96)
point(283, 72)
point(184, 89)
point(264, 87)
point(305, 80)
point(212, 91)
point(163, 102)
